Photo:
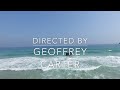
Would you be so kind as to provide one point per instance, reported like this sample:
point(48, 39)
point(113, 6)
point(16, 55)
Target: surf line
point(59, 51)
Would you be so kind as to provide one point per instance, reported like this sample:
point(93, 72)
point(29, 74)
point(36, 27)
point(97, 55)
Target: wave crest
point(32, 63)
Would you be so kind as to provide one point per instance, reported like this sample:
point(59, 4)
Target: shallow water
point(100, 62)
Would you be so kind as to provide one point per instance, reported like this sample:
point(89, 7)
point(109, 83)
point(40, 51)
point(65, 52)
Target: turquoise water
point(99, 62)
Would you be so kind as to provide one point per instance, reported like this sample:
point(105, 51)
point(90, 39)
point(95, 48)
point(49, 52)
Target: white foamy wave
point(109, 61)
point(33, 63)
point(109, 50)
point(88, 68)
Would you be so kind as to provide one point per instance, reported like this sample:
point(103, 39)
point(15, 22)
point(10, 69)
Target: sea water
point(99, 62)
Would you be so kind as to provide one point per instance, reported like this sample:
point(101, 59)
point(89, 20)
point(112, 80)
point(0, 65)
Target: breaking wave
point(87, 63)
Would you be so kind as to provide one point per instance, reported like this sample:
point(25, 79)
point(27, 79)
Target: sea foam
point(33, 63)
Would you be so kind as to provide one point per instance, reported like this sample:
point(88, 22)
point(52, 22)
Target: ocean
point(99, 62)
